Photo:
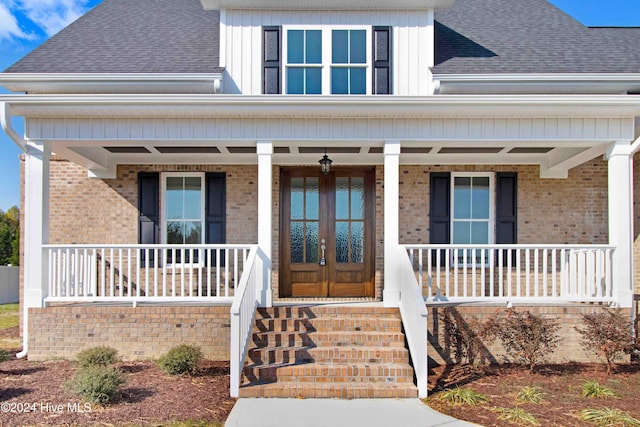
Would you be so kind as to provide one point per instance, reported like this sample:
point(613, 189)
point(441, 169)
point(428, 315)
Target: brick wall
point(568, 317)
point(136, 332)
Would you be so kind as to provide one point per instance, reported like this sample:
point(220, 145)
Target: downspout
point(5, 121)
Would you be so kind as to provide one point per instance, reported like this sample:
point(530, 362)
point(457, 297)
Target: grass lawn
point(9, 319)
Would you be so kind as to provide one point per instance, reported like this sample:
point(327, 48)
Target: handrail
point(414, 318)
point(243, 311)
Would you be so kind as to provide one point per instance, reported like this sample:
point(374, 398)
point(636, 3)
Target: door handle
point(323, 261)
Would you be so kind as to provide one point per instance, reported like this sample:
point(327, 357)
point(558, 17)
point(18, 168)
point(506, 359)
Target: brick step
point(333, 338)
point(330, 372)
point(326, 312)
point(352, 354)
point(341, 390)
point(323, 324)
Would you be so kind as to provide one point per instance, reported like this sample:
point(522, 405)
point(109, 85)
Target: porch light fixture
point(325, 163)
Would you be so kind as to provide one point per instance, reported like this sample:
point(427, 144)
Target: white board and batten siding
point(241, 44)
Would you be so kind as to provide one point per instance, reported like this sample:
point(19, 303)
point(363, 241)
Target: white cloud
point(9, 27)
point(52, 15)
point(48, 15)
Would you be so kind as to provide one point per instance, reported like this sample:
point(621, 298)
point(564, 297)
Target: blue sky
point(25, 24)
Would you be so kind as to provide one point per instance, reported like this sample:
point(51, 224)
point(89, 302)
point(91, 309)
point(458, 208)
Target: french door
point(327, 233)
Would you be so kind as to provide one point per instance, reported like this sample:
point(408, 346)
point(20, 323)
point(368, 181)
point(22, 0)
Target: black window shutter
point(215, 208)
point(506, 208)
point(382, 60)
point(439, 211)
point(148, 211)
point(271, 60)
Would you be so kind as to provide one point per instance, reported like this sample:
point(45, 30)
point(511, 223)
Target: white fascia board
point(62, 83)
point(327, 4)
point(597, 83)
point(278, 106)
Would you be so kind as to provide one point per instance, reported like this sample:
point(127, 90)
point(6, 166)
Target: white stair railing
point(243, 312)
point(414, 319)
point(541, 273)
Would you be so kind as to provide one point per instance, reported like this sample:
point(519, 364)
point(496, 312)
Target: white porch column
point(36, 229)
point(621, 220)
point(391, 293)
point(265, 226)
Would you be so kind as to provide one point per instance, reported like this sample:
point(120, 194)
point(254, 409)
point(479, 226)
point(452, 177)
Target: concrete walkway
point(337, 413)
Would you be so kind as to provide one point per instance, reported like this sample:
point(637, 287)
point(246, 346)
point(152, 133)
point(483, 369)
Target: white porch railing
point(243, 312)
point(414, 320)
point(534, 273)
point(136, 273)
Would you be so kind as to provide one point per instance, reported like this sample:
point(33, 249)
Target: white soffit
point(327, 4)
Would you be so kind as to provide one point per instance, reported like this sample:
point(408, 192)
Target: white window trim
point(492, 207)
point(163, 203)
point(326, 63)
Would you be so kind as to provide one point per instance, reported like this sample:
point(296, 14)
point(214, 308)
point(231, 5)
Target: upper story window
point(327, 60)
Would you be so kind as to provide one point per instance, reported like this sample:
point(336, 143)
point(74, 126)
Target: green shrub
point(606, 334)
point(98, 356)
point(463, 396)
point(181, 359)
point(4, 355)
point(594, 389)
point(526, 337)
point(97, 384)
point(609, 417)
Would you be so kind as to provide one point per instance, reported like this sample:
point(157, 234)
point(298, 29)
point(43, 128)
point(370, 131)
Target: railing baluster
point(500, 272)
point(129, 285)
point(509, 272)
point(473, 272)
point(191, 272)
point(226, 272)
point(235, 268)
point(455, 273)
point(146, 285)
point(545, 281)
point(218, 272)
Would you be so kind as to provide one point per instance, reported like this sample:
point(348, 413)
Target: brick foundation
point(136, 332)
point(568, 317)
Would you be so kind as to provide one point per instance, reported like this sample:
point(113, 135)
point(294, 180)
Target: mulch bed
point(562, 383)
point(35, 392)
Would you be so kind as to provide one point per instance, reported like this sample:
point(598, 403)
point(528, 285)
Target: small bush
point(98, 356)
point(609, 417)
point(97, 384)
point(463, 396)
point(594, 389)
point(516, 416)
point(607, 334)
point(4, 355)
point(530, 395)
point(526, 337)
point(181, 359)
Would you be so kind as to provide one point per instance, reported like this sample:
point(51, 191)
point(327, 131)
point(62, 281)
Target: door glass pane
point(342, 242)
point(297, 198)
point(358, 47)
point(313, 198)
point(313, 84)
point(357, 198)
point(357, 242)
point(297, 241)
point(192, 198)
point(462, 198)
point(480, 198)
point(174, 198)
point(342, 198)
point(314, 47)
point(295, 80)
point(295, 46)
point(339, 46)
point(312, 242)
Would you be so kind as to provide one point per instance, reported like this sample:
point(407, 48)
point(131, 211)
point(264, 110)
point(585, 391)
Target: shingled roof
point(528, 36)
point(132, 36)
point(473, 37)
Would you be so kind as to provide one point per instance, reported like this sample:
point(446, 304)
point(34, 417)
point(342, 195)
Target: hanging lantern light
point(325, 163)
